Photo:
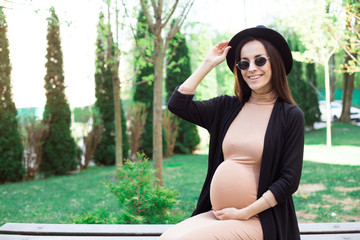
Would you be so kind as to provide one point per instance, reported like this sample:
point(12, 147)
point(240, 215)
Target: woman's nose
point(252, 66)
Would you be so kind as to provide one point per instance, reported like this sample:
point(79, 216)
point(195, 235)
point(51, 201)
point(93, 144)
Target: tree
point(312, 101)
point(177, 71)
point(113, 61)
point(105, 101)
point(199, 45)
point(11, 148)
point(157, 20)
point(144, 80)
point(351, 48)
point(320, 44)
point(303, 89)
point(59, 148)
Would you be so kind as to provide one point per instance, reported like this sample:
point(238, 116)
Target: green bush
point(140, 200)
point(11, 148)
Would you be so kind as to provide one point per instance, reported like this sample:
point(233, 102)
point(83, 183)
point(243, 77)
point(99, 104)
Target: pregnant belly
point(234, 184)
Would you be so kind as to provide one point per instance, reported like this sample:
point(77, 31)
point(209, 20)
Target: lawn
point(328, 193)
point(341, 134)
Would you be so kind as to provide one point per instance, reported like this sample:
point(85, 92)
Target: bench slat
point(32, 231)
point(25, 237)
point(343, 227)
point(354, 236)
point(84, 229)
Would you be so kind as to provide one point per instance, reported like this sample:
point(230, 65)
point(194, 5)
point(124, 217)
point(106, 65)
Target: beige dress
point(235, 181)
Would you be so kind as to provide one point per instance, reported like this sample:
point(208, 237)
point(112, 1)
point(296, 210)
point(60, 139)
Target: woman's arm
point(214, 57)
point(181, 101)
point(265, 202)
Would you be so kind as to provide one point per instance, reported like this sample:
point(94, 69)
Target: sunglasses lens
point(260, 61)
point(243, 65)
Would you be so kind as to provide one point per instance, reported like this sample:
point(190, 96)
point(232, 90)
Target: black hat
point(265, 33)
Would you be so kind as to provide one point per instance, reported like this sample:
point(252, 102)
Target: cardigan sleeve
point(290, 165)
point(198, 112)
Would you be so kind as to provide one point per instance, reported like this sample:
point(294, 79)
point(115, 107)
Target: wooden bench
point(31, 231)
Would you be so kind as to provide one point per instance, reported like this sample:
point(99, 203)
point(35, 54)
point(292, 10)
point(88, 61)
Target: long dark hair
point(278, 73)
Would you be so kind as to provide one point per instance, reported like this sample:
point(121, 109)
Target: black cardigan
point(281, 161)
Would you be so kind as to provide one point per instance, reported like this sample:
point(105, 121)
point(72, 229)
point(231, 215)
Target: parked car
point(336, 108)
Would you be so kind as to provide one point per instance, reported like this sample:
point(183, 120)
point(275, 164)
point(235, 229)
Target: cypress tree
point(312, 101)
point(59, 148)
point(11, 148)
point(144, 90)
point(105, 151)
point(178, 70)
point(297, 85)
point(302, 89)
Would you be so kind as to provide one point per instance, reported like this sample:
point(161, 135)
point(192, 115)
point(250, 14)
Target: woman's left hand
point(232, 213)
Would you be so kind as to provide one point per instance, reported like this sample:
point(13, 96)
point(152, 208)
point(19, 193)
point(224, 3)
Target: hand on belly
point(232, 213)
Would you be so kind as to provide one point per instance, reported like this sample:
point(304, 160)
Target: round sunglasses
point(260, 61)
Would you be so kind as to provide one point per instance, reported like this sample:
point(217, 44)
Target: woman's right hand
point(215, 56)
point(218, 53)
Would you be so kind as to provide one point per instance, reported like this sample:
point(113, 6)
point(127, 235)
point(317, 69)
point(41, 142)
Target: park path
point(344, 155)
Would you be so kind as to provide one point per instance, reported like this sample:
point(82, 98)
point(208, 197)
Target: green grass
point(341, 134)
point(54, 199)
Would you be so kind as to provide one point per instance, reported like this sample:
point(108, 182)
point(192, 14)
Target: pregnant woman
point(256, 143)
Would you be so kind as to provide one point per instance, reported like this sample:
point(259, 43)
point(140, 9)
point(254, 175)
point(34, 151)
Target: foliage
point(313, 113)
point(303, 89)
point(97, 216)
point(200, 44)
point(171, 126)
point(33, 131)
point(144, 89)
point(11, 148)
point(105, 151)
point(177, 71)
point(82, 114)
point(224, 77)
point(59, 147)
point(92, 139)
point(137, 115)
point(349, 40)
point(140, 201)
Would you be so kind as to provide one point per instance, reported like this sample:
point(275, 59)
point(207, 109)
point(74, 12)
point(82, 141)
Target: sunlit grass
point(328, 193)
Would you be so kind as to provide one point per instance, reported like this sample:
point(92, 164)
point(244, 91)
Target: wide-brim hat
point(264, 33)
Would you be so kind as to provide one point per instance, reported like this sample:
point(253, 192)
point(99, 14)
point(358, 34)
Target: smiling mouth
point(254, 77)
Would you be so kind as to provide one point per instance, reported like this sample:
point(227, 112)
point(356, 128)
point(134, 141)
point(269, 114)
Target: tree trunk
point(114, 62)
point(347, 94)
point(328, 110)
point(332, 78)
point(157, 110)
point(117, 112)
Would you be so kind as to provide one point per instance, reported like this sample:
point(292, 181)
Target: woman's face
point(257, 78)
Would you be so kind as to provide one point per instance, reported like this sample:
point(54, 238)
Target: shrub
point(140, 200)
